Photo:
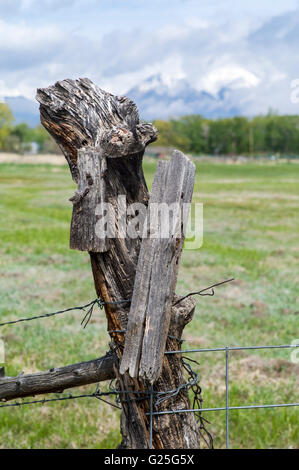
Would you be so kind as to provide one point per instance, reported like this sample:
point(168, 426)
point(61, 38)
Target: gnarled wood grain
point(58, 379)
point(157, 269)
point(78, 114)
point(88, 198)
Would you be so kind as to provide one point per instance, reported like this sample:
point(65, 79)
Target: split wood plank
point(157, 268)
point(88, 203)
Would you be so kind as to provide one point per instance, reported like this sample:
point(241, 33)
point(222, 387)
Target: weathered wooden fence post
point(104, 143)
point(157, 269)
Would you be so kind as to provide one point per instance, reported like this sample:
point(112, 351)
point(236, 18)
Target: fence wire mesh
point(156, 397)
point(227, 408)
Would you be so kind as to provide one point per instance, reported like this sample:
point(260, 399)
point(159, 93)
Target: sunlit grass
point(250, 233)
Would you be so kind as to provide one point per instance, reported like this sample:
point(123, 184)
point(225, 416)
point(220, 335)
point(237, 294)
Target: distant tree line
point(231, 136)
point(20, 138)
point(193, 134)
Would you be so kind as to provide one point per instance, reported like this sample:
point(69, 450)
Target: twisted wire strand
point(90, 306)
point(101, 303)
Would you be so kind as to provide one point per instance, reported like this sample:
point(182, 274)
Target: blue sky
point(246, 45)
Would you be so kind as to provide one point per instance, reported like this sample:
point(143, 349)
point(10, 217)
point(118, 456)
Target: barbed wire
point(156, 397)
point(139, 395)
point(197, 404)
point(101, 303)
point(201, 292)
point(69, 397)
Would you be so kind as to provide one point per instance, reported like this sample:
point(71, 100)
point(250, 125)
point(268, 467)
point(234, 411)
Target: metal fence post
point(226, 394)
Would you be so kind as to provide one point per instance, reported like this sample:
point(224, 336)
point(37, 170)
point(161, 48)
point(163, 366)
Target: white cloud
point(170, 69)
point(21, 36)
point(173, 32)
point(256, 57)
point(232, 75)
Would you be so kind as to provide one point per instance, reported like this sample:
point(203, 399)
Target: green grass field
point(251, 227)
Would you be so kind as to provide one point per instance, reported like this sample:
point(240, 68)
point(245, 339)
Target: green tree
point(6, 119)
point(240, 135)
point(169, 137)
point(194, 129)
point(219, 139)
point(23, 132)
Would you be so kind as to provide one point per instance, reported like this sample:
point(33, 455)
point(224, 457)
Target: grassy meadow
point(251, 228)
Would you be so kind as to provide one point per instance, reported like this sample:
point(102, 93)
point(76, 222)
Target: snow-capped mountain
point(157, 97)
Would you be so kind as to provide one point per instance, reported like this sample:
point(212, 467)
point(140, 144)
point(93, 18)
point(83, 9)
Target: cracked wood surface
point(79, 114)
point(58, 379)
point(157, 269)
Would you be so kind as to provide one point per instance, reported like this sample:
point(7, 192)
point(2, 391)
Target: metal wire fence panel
point(156, 397)
point(227, 408)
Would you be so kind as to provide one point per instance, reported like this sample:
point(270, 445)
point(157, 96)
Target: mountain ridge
point(156, 98)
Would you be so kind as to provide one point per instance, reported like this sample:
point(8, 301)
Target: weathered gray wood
point(122, 141)
point(78, 114)
point(92, 167)
point(58, 379)
point(157, 270)
point(176, 431)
